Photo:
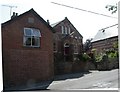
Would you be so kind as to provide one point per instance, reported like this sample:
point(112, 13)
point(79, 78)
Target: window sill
point(75, 53)
point(55, 51)
point(32, 46)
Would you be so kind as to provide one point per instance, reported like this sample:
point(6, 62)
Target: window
point(65, 30)
point(32, 37)
point(66, 49)
point(69, 30)
point(75, 49)
point(55, 47)
point(62, 28)
point(30, 20)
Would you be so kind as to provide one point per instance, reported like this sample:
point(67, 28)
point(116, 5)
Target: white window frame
point(66, 31)
point(33, 35)
point(62, 28)
point(69, 30)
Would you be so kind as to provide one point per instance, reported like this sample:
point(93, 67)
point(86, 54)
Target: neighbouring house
point(27, 50)
point(68, 42)
point(105, 47)
point(105, 39)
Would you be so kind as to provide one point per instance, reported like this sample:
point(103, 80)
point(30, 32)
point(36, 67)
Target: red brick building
point(105, 39)
point(105, 44)
point(27, 50)
point(67, 40)
point(68, 44)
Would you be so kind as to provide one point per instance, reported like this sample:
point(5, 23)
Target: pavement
point(91, 80)
point(66, 78)
point(45, 84)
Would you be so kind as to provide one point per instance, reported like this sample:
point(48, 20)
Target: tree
point(112, 8)
point(87, 45)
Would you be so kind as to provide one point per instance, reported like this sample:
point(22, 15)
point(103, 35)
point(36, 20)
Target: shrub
point(101, 57)
point(93, 50)
point(98, 58)
point(112, 55)
point(84, 57)
point(109, 54)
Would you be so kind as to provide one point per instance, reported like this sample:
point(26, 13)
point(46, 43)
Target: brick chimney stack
point(48, 22)
point(14, 15)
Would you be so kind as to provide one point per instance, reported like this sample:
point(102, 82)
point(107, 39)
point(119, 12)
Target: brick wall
point(72, 40)
point(21, 64)
point(104, 44)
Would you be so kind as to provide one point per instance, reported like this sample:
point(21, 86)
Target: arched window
point(66, 49)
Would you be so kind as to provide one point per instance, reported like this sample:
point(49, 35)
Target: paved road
point(92, 80)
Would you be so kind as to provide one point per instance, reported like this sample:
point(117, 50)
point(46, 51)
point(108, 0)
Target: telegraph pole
point(10, 8)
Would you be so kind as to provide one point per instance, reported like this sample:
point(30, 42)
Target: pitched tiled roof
point(106, 33)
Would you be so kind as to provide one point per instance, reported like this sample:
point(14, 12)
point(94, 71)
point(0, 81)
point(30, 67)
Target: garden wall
point(109, 64)
point(69, 67)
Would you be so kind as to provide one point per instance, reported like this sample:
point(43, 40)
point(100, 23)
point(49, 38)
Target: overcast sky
point(86, 23)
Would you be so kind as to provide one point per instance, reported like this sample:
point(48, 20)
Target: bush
point(112, 55)
point(84, 57)
point(100, 57)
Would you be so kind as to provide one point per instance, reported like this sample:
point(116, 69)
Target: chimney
point(48, 22)
point(14, 15)
point(65, 17)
